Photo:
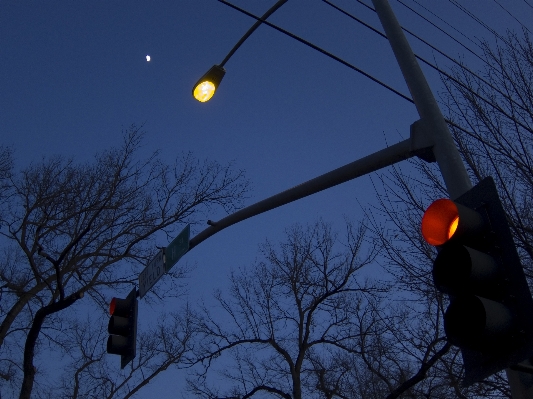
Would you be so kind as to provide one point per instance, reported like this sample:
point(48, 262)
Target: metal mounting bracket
point(421, 142)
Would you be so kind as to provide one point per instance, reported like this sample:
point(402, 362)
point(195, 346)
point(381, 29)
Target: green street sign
point(177, 248)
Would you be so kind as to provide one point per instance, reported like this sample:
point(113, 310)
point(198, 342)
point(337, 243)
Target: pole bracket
point(421, 141)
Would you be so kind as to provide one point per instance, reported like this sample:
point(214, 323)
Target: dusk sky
point(74, 74)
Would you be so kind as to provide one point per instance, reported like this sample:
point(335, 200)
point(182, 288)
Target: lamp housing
point(206, 86)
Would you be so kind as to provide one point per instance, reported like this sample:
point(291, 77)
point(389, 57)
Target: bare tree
point(89, 373)
point(493, 114)
point(6, 162)
point(71, 231)
point(388, 362)
point(6, 168)
point(302, 298)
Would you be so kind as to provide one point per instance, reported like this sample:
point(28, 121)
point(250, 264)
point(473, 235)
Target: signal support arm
point(418, 144)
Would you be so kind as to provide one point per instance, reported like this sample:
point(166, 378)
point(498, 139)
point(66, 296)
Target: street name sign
point(151, 274)
point(177, 248)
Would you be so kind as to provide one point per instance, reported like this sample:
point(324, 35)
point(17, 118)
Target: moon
point(148, 58)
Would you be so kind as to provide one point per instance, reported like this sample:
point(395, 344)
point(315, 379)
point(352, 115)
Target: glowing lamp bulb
point(453, 227)
point(204, 91)
point(440, 222)
point(208, 83)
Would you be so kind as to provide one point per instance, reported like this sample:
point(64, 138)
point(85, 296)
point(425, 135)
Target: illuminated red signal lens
point(440, 221)
point(112, 306)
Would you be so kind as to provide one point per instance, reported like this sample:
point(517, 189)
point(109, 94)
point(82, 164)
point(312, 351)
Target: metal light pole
point(433, 124)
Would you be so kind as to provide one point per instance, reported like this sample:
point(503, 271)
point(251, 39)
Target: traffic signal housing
point(490, 316)
point(122, 328)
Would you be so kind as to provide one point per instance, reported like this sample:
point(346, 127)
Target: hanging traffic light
point(123, 328)
point(490, 317)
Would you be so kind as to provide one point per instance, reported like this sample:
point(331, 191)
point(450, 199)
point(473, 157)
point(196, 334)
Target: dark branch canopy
point(71, 231)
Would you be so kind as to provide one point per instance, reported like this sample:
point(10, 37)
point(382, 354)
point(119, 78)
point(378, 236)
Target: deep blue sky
point(73, 74)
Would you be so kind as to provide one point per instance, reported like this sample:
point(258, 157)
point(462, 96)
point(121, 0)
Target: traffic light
point(123, 328)
point(490, 316)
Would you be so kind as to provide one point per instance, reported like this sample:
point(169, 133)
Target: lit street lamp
point(205, 88)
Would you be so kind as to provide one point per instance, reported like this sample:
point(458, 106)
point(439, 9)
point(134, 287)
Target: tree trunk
point(31, 340)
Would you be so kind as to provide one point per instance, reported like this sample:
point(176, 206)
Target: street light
point(206, 86)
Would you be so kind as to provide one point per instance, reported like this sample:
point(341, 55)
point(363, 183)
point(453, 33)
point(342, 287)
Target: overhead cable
point(433, 65)
point(315, 47)
point(479, 21)
point(512, 16)
point(442, 30)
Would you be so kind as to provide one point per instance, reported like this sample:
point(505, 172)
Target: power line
point(508, 12)
point(433, 65)
point(489, 102)
point(462, 66)
point(357, 19)
point(456, 81)
point(442, 20)
point(407, 31)
point(366, 5)
point(479, 21)
point(315, 47)
point(442, 30)
point(270, 11)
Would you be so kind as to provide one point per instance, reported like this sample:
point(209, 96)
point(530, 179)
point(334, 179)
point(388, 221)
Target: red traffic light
point(120, 307)
point(447, 220)
point(112, 305)
point(440, 221)
point(122, 327)
point(489, 316)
